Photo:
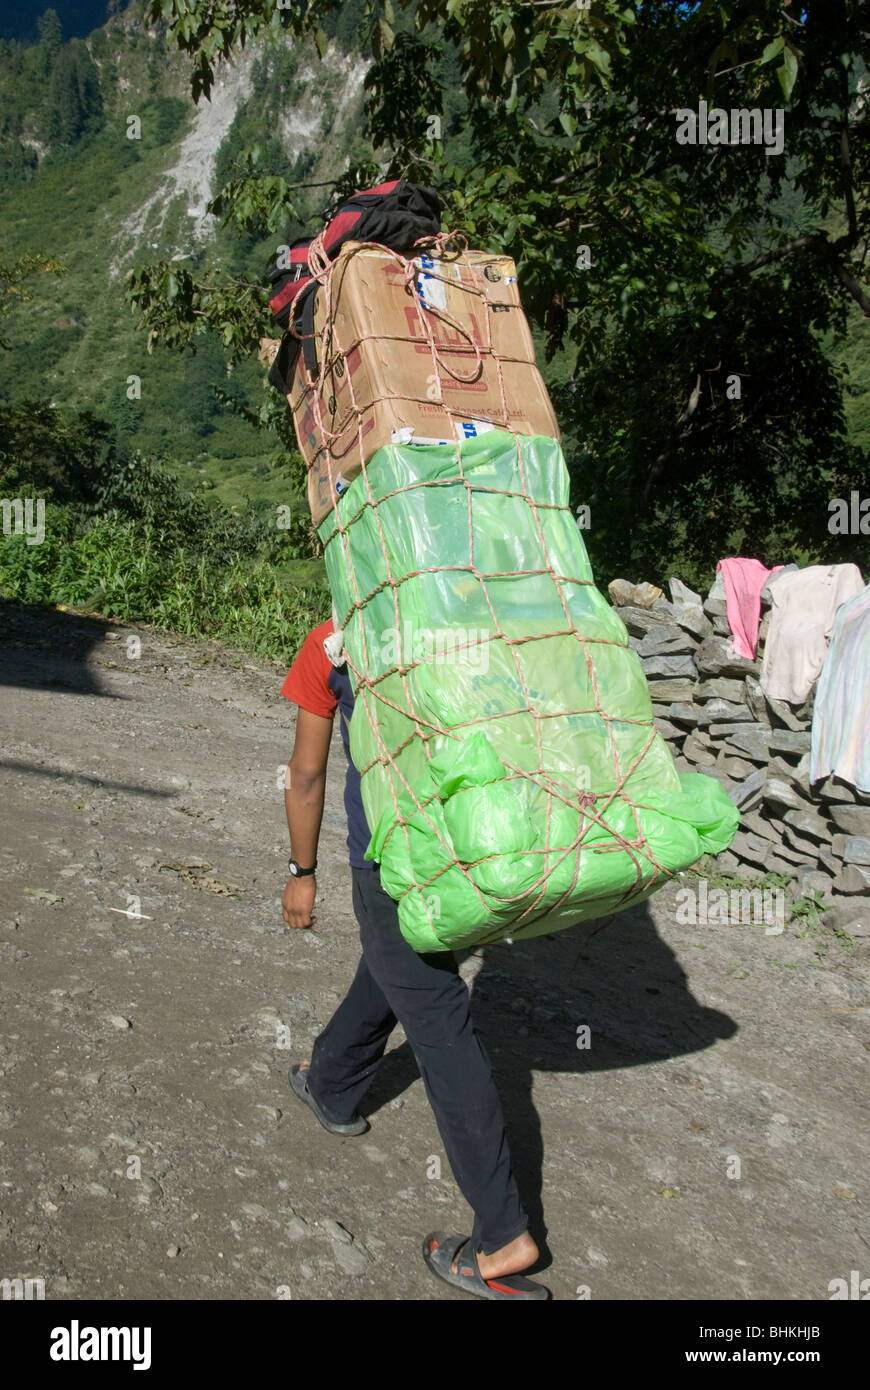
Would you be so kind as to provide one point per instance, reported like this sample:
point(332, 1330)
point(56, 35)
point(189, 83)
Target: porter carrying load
point(511, 772)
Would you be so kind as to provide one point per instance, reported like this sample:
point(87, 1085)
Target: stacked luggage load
point(511, 772)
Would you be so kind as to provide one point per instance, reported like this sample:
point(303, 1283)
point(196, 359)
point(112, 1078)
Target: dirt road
point(710, 1142)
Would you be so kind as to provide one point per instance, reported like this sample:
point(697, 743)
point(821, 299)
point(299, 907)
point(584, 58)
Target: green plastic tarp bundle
point(511, 772)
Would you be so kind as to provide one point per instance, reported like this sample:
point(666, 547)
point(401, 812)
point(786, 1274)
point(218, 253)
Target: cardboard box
point(444, 357)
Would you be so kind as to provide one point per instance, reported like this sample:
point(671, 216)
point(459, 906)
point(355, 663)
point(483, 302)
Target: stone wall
point(710, 708)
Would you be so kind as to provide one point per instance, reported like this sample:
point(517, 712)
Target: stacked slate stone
point(710, 708)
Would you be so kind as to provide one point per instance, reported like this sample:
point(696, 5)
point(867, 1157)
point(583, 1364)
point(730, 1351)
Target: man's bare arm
point(304, 793)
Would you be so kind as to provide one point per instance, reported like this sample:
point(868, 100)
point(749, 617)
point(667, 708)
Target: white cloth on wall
point(841, 715)
point(803, 606)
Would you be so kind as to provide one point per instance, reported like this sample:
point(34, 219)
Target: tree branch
point(818, 242)
point(845, 160)
point(813, 239)
point(846, 278)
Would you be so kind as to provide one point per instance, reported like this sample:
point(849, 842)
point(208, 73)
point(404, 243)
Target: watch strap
point(299, 872)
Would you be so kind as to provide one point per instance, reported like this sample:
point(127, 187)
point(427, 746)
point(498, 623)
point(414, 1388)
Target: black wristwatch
point(301, 873)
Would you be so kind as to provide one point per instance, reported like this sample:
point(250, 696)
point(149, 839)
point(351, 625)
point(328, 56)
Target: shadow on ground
point(58, 658)
point(529, 1000)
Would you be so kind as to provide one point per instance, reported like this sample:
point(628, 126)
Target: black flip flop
point(299, 1087)
point(439, 1252)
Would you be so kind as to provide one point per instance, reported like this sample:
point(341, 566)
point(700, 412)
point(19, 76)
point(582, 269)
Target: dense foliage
point(699, 285)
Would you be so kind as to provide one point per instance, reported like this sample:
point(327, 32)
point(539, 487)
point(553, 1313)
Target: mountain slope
point(107, 202)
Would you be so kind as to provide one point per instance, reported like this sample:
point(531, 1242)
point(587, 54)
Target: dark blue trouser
point(427, 995)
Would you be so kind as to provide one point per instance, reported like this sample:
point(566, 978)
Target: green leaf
point(787, 73)
point(775, 46)
point(511, 103)
point(597, 57)
point(567, 122)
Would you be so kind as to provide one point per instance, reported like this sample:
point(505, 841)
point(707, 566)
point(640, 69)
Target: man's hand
point(298, 901)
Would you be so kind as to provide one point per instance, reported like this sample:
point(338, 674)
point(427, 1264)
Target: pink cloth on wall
point(744, 581)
